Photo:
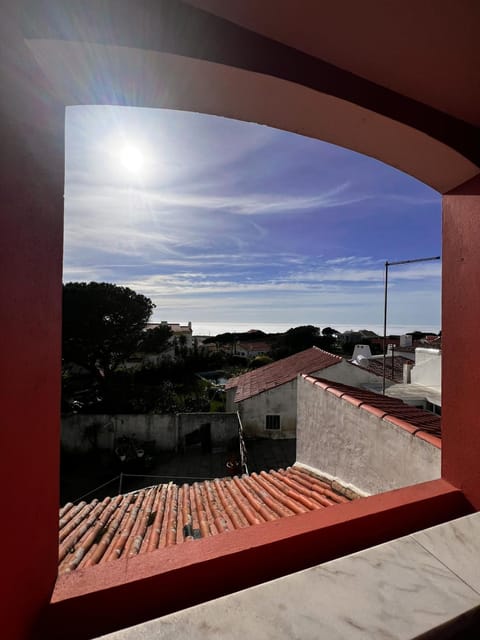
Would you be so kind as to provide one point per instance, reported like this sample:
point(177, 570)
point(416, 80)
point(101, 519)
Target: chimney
point(407, 373)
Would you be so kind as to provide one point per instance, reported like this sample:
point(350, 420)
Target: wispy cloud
point(234, 221)
point(359, 274)
point(238, 204)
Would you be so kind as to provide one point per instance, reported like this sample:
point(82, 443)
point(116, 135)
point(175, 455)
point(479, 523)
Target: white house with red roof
point(266, 398)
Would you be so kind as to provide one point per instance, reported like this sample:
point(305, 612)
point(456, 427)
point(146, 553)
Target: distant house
point(266, 398)
point(423, 385)
point(181, 338)
point(206, 347)
point(416, 373)
point(252, 349)
point(177, 331)
point(394, 365)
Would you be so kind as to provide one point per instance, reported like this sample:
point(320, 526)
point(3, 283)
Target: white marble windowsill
point(399, 590)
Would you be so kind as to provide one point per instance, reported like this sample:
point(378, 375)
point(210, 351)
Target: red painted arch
point(54, 54)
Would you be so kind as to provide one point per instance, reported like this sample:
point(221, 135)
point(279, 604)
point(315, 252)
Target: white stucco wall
point(428, 368)
point(278, 401)
point(358, 448)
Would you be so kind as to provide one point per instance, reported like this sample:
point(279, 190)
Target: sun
point(132, 159)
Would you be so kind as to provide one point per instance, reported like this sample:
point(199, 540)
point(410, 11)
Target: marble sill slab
point(400, 590)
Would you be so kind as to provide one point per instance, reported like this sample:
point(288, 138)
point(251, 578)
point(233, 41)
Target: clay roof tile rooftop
point(376, 367)
point(167, 514)
point(282, 371)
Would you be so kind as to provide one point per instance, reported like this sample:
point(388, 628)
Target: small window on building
point(429, 406)
point(272, 422)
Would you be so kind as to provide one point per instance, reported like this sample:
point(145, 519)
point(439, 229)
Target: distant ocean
point(215, 328)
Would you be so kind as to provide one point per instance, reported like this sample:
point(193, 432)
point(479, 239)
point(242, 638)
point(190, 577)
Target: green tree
point(260, 361)
point(155, 340)
point(102, 324)
point(330, 333)
point(296, 339)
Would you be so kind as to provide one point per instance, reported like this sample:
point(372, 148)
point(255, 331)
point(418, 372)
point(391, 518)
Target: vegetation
point(155, 340)
point(300, 338)
point(231, 338)
point(282, 344)
point(260, 361)
point(102, 324)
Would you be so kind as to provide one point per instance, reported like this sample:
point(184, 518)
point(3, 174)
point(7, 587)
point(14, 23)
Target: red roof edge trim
point(431, 439)
point(355, 401)
point(398, 422)
point(379, 413)
point(313, 380)
point(335, 392)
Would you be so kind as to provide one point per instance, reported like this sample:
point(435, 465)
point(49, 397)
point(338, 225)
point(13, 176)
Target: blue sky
point(235, 223)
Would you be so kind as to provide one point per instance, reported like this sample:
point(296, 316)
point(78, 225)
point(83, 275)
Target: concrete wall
point(357, 447)
point(80, 432)
point(224, 426)
point(230, 400)
point(428, 367)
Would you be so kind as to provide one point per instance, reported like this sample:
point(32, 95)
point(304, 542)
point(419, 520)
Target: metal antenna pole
point(390, 264)
point(385, 329)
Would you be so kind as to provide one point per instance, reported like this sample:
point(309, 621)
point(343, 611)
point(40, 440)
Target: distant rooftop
point(282, 371)
point(257, 345)
point(167, 514)
point(175, 327)
point(376, 366)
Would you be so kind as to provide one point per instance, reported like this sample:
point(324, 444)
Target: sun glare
point(132, 159)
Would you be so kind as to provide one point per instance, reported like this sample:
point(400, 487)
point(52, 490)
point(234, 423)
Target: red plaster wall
point(31, 188)
point(31, 227)
point(460, 339)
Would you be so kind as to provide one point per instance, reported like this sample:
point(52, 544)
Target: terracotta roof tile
point(376, 367)
point(390, 409)
point(165, 515)
point(254, 346)
point(282, 371)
